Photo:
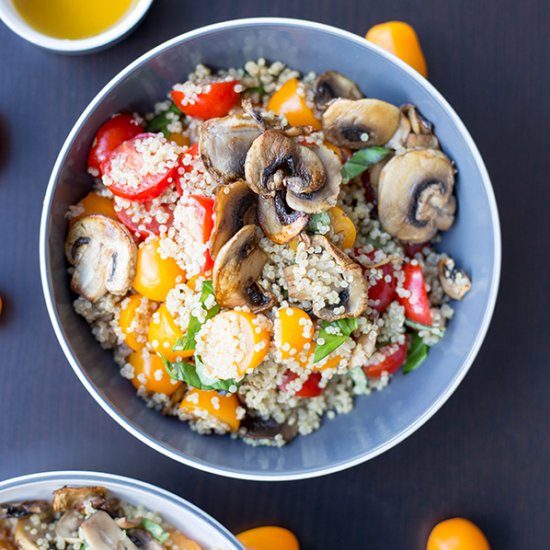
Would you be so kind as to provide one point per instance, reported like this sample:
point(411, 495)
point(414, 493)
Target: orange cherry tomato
point(149, 372)
point(217, 101)
point(288, 102)
point(164, 333)
point(400, 39)
point(93, 203)
point(181, 542)
point(268, 538)
point(343, 226)
point(155, 275)
point(179, 139)
point(295, 331)
point(457, 534)
point(134, 320)
point(198, 403)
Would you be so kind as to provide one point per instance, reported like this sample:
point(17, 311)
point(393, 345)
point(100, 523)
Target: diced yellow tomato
point(197, 403)
point(134, 320)
point(149, 372)
point(295, 331)
point(93, 203)
point(400, 39)
point(164, 333)
point(179, 139)
point(287, 101)
point(293, 244)
point(330, 362)
point(155, 276)
point(268, 538)
point(342, 225)
point(181, 542)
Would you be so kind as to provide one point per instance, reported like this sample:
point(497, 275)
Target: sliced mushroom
point(421, 130)
point(415, 195)
point(128, 523)
point(365, 346)
point(235, 208)
point(6, 537)
point(331, 85)
point(100, 532)
point(237, 267)
point(360, 123)
point(399, 138)
point(29, 535)
point(258, 428)
point(25, 508)
point(454, 281)
point(104, 255)
point(68, 525)
point(347, 283)
point(68, 498)
point(144, 540)
point(278, 221)
point(375, 170)
point(224, 143)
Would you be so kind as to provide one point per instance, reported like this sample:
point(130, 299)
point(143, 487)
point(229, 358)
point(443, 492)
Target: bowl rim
point(100, 478)
point(319, 470)
point(124, 25)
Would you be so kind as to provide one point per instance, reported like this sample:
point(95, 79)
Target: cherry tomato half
point(142, 168)
point(412, 249)
point(110, 135)
point(417, 304)
point(184, 167)
point(220, 98)
point(137, 217)
point(382, 291)
point(392, 358)
point(310, 387)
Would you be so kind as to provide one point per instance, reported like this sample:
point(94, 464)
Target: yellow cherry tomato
point(330, 362)
point(181, 542)
point(268, 538)
point(287, 101)
point(93, 203)
point(457, 534)
point(400, 39)
point(343, 226)
point(155, 276)
point(295, 331)
point(198, 403)
point(164, 333)
point(134, 321)
point(150, 373)
point(179, 139)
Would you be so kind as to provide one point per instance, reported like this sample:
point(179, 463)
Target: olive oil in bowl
point(72, 19)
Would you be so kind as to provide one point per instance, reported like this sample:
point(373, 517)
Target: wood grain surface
point(485, 455)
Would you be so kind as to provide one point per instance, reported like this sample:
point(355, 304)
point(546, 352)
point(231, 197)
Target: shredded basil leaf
point(155, 530)
point(333, 341)
point(318, 223)
point(161, 122)
point(417, 354)
point(436, 331)
point(188, 340)
point(362, 160)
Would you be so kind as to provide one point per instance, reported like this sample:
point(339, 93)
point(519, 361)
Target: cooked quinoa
point(280, 261)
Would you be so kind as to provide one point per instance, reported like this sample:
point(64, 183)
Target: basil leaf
point(318, 223)
point(333, 341)
point(436, 331)
point(161, 121)
point(188, 340)
point(362, 160)
point(418, 353)
point(155, 530)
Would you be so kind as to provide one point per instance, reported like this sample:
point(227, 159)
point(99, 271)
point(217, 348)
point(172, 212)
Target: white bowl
point(11, 17)
point(183, 515)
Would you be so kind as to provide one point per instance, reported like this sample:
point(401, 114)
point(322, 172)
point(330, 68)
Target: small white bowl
point(11, 17)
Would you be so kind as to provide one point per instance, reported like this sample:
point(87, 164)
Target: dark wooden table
point(485, 455)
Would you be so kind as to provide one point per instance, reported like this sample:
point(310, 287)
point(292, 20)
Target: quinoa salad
point(261, 248)
point(86, 518)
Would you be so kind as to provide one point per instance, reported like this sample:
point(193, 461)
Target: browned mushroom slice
point(224, 143)
point(278, 221)
point(68, 498)
point(454, 281)
point(6, 536)
point(100, 532)
point(415, 195)
point(104, 256)
point(237, 267)
point(421, 130)
point(29, 534)
point(235, 208)
point(67, 526)
point(328, 278)
point(260, 429)
point(360, 123)
point(25, 508)
point(332, 85)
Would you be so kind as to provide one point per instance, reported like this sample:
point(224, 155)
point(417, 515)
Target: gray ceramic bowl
point(379, 421)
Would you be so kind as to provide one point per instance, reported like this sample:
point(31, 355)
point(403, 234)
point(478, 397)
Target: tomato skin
point(186, 168)
point(412, 249)
point(144, 228)
point(417, 305)
point(110, 135)
point(217, 102)
point(457, 534)
point(394, 357)
point(370, 193)
point(381, 293)
point(310, 387)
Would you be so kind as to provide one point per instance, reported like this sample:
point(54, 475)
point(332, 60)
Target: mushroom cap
point(68, 498)
point(235, 208)
point(454, 281)
point(279, 222)
point(360, 123)
point(224, 143)
point(415, 195)
point(237, 267)
point(101, 532)
point(332, 85)
point(104, 255)
point(67, 526)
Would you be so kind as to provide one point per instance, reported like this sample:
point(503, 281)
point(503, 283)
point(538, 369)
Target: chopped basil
point(161, 121)
point(436, 331)
point(188, 340)
point(319, 223)
point(417, 354)
point(362, 160)
point(333, 341)
point(155, 530)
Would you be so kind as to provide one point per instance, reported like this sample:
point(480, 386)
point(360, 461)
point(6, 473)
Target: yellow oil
point(72, 19)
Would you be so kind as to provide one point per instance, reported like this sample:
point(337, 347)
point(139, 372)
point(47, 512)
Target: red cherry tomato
point(184, 169)
point(138, 218)
point(381, 292)
point(393, 357)
point(370, 194)
point(310, 387)
point(412, 249)
point(417, 304)
point(110, 135)
point(141, 168)
point(216, 102)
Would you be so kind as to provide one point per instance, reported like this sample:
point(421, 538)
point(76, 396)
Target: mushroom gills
point(331, 85)
point(25, 508)
point(278, 221)
point(454, 281)
point(100, 532)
